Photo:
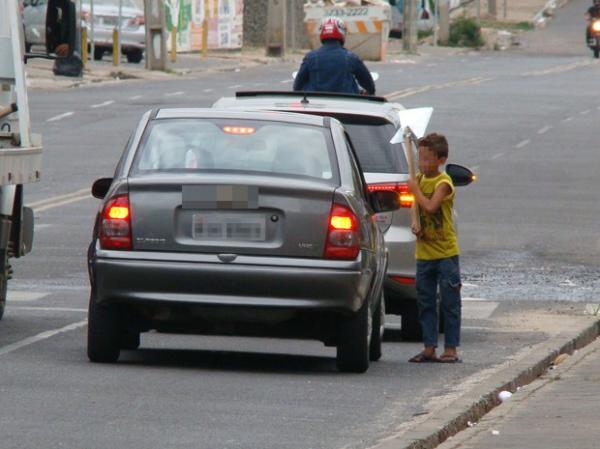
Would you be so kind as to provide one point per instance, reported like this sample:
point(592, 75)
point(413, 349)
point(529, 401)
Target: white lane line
point(497, 156)
point(207, 90)
point(586, 112)
point(101, 105)
point(135, 97)
point(60, 117)
point(24, 296)
point(50, 309)
point(286, 81)
point(40, 337)
point(174, 94)
point(544, 130)
point(568, 119)
point(235, 86)
point(523, 144)
point(62, 203)
point(59, 198)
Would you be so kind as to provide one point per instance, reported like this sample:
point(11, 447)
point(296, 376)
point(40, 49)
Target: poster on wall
point(225, 24)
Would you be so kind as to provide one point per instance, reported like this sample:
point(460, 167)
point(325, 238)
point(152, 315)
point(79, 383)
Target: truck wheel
point(377, 331)
point(411, 326)
point(354, 341)
point(135, 56)
point(103, 332)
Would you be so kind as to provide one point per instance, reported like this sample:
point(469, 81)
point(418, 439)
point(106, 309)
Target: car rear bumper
point(213, 283)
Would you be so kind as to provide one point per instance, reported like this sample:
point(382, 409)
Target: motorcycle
point(594, 36)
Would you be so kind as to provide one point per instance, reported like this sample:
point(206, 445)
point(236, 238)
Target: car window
point(373, 148)
point(237, 145)
point(357, 173)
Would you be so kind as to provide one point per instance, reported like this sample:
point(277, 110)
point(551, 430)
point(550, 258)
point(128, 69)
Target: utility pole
point(156, 38)
point(444, 22)
point(276, 27)
point(409, 30)
point(205, 29)
point(492, 9)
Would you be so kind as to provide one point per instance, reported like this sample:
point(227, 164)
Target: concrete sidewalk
point(561, 410)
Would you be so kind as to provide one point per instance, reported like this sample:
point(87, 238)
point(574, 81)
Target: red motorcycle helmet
point(332, 28)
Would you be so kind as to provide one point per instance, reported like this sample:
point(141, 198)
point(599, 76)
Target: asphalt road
point(528, 230)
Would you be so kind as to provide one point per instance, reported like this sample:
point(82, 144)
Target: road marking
point(568, 119)
point(286, 81)
point(497, 156)
point(60, 117)
point(235, 86)
point(544, 130)
point(586, 112)
point(207, 90)
point(101, 105)
point(50, 309)
point(523, 144)
point(558, 69)
point(430, 87)
point(40, 337)
point(60, 200)
point(174, 94)
point(135, 97)
point(24, 296)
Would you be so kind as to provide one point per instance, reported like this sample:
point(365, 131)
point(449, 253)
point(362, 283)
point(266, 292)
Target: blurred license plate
point(225, 227)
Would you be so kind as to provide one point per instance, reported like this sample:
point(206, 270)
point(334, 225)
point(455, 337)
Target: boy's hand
point(416, 230)
point(413, 185)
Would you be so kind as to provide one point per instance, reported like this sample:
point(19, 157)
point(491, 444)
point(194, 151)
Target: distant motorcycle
point(594, 37)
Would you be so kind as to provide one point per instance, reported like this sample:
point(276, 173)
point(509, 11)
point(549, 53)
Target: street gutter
point(473, 405)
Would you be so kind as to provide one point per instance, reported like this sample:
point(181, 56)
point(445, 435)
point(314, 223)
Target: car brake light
point(406, 198)
point(405, 280)
point(238, 130)
point(343, 234)
point(115, 228)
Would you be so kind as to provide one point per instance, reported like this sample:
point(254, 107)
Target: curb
point(473, 405)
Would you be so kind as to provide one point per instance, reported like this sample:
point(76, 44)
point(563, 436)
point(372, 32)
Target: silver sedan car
point(238, 223)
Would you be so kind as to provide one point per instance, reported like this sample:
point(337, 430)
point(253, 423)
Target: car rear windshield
point(371, 140)
point(236, 145)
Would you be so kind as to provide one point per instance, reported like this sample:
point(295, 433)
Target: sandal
point(421, 357)
point(449, 358)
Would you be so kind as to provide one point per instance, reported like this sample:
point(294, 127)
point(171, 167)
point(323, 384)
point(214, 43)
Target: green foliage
point(517, 26)
point(465, 32)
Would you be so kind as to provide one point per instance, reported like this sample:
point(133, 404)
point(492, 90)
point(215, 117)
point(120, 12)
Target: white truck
point(20, 150)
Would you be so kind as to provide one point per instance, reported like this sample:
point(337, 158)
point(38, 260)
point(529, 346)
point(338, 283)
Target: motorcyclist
point(332, 68)
point(592, 13)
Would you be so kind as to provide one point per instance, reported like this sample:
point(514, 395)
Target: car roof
point(301, 119)
point(309, 102)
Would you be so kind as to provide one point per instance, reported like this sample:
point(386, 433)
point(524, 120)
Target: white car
point(106, 18)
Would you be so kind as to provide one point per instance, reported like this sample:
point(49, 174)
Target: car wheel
point(103, 332)
point(410, 325)
point(377, 331)
point(4, 276)
point(98, 53)
point(354, 341)
point(135, 56)
point(129, 340)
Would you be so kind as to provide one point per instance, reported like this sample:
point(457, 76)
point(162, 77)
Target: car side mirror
point(461, 176)
point(61, 26)
point(385, 201)
point(100, 187)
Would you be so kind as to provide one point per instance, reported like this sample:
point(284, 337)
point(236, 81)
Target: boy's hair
point(436, 143)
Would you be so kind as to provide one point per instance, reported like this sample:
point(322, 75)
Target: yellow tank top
point(439, 239)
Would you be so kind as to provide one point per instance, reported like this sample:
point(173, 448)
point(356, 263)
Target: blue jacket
point(332, 68)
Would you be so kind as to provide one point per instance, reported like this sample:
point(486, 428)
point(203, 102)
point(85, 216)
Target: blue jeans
point(446, 274)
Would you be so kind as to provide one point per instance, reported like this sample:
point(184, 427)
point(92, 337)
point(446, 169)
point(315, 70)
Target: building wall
point(255, 23)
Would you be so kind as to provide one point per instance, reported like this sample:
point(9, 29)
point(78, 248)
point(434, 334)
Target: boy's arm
point(430, 205)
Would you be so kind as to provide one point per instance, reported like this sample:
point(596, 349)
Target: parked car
point(106, 18)
point(227, 222)
point(371, 122)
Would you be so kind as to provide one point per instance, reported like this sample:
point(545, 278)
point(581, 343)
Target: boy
point(436, 251)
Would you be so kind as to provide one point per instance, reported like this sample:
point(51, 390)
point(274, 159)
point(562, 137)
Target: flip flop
point(421, 357)
point(447, 358)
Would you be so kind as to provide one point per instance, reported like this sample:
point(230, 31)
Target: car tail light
point(115, 228)
point(404, 280)
point(406, 198)
point(343, 240)
point(137, 20)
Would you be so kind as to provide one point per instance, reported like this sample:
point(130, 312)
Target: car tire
point(98, 53)
point(135, 56)
point(129, 340)
point(354, 341)
point(103, 332)
point(4, 276)
point(377, 331)
point(410, 329)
